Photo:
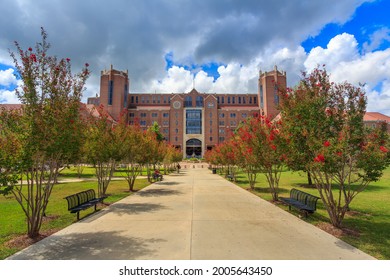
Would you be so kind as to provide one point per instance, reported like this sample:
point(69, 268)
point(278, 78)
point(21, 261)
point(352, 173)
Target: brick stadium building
point(193, 121)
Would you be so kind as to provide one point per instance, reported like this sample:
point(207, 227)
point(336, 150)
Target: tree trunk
point(309, 180)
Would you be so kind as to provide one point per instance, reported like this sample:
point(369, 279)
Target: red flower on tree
point(319, 158)
point(326, 143)
point(383, 149)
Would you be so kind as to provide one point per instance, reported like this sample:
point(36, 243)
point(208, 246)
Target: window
point(221, 115)
point(177, 130)
point(250, 100)
point(239, 100)
point(143, 115)
point(188, 101)
point(194, 122)
point(142, 99)
point(232, 115)
point(136, 99)
point(276, 95)
point(228, 99)
point(255, 99)
point(218, 99)
point(165, 99)
point(243, 99)
point(233, 99)
point(131, 115)
point(142, 123)
point(221, 139)
point(165, 115)
point(244, 115)
point(110, 91)
point(261, 97)
point(211, 138)
point(165, 123)
point(222, 131)
point(125, 97)
point(199, 101)
point(132, 100)
point(221, 123)
point(223, 100)
point(154, 115)
point(233, 123)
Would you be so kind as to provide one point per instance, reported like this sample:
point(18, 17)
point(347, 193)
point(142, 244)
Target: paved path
point(192, 215)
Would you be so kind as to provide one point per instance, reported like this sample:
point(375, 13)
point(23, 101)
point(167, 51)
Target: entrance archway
point(194, 148)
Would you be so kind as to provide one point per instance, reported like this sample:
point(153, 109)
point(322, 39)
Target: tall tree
point(50, 124)
point(341, 154)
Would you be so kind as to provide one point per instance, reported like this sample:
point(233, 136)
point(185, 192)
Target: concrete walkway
point(191, 215)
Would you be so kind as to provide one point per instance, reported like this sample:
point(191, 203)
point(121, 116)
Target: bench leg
point(95, 207)
point(78, 216)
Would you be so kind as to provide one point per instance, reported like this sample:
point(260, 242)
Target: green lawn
point(371, 210)
point(12, 219)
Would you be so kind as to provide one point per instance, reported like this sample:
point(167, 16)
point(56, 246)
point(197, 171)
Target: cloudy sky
point(218, 45)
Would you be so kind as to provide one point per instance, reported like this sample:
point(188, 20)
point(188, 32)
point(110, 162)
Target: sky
point(215, 45)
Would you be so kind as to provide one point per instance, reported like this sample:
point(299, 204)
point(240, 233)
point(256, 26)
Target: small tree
point(103, 148)
point(342, 155)
point(46, 133)
point(132, 156)
point(267, 145)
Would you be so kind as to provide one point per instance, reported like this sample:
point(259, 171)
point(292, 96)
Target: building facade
point(193, 122)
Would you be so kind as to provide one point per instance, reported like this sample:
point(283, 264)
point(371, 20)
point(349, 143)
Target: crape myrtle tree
point(341, 154)
point(247, 161)
point(103, 147)
point(45, 135)
point(263, 147)
point(132, 151)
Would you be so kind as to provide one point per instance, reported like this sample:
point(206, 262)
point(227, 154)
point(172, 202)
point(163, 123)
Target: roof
point(11, 106)
point(376, 117)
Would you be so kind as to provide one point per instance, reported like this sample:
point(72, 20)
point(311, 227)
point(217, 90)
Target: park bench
point(230, 177)
point(157, 177)
point(82, 200)
point(304, 202)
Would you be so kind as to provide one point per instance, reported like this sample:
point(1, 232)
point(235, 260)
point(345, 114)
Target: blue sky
point(218, 46)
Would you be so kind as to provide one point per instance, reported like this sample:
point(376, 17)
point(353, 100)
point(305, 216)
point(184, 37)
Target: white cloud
point(177, 80)
point(379, 101)
point(7, 77)
point(8, 97)
point(341, 48)
point(344, 63)
point(376, 39)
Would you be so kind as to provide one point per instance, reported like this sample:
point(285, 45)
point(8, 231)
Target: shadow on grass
point(112, 245)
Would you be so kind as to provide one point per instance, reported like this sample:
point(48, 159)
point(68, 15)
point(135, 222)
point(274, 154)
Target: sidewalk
point(191, 215)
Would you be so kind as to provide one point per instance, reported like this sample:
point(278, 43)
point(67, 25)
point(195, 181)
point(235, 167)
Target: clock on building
point(176, 104)
point(210, 104)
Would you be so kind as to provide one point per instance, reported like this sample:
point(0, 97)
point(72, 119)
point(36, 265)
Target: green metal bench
point(82, 200)
point(304, 202)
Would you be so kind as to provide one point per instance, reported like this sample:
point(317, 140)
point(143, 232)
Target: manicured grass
point(371, 210)
point(89, 172)
point(12, 219)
